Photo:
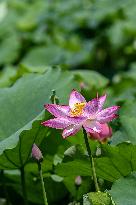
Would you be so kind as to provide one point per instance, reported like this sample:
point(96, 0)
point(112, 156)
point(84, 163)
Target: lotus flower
point(106, 132)
point(79, 113)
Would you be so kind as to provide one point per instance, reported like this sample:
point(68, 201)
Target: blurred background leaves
point(61, 45)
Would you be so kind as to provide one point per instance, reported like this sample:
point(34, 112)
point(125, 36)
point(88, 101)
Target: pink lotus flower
point(106, 132)
point(79, 113)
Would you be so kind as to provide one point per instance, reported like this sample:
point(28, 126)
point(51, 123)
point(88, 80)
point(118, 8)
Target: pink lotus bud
point(82, 85)
point(105, 133)
point(78, 181)
point(36, 153)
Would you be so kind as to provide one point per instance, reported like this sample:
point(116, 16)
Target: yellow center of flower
point(77, 109)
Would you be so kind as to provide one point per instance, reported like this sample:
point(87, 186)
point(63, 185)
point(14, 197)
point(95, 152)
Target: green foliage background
point(61, 45)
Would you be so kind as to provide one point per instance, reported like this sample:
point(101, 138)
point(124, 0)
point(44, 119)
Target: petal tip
point(42, 123)
point(46, 106)
point(117, 107)
point(74, 89)
point(64, 137)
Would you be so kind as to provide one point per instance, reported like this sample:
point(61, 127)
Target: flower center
point(77, 109)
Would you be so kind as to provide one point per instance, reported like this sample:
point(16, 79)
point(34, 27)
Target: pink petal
point(62, 111)
point(106, 130)
point(107, 114)
point(88, 129)
point(75, 97)
point(92, 126)
point(76, 120)
point(95, 105)
point(58, 123)
point(91, 107)
point(58, 110)
point(101, 101)
point(71, 130)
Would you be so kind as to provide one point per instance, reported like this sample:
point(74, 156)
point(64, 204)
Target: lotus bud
point(82, 85)
point(78, 181)
point(36, 153)
point(105, 133)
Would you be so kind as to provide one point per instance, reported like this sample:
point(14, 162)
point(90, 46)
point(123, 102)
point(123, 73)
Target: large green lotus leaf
point(128, 109)
point(47, 55)
point(128, 120)
point(119, 137)
point(123, 191)
point(7, 23)
point(114, 163)
point(9, 49)
point(104, 169)
point(25, 100)
point(92, 78)
point(124, 27)
point(32, 15)
point(6, 76)
point(74, 168)
point(75, 162)
point(9, 75)
point(22, 110)
point(117, 29)
point(43, 55)
point(16, 149)
point(104, 9)
point(124, 85)
point(129, 126)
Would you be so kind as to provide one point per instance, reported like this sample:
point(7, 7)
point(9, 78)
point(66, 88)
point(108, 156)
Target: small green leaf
point(56, 178)
point(99, 198)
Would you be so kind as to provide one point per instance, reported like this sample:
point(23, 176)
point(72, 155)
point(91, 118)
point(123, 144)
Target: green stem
point(5, 187)
point(42, 183)
point(91, 160)
point(23, 183)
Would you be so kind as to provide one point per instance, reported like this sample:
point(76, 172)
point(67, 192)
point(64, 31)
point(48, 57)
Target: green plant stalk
point(42, 183)
point(5, 187)
point(23, 183)
point(91, 160)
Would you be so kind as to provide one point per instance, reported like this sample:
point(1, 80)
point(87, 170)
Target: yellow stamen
point(77, 110)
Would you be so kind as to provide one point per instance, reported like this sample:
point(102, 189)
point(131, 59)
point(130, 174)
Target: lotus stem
point(5, 187)
point(23, 183)
point(91, 160)
point(42, 183)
